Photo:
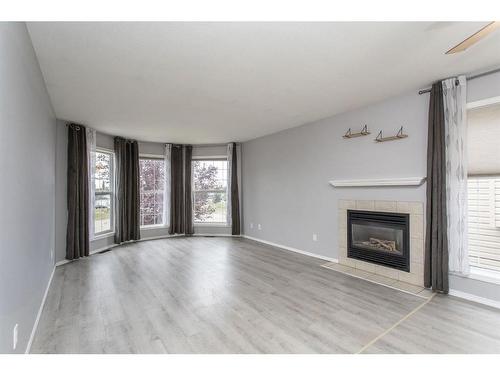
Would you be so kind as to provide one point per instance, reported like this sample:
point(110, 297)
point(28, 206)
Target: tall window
point(152, 183)
point(210, 191)
point(103, 200)
point(483, 132)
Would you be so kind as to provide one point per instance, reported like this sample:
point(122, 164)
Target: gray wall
point(27, 167)
point(285, 175)
point(61, 189)
point(106, 141)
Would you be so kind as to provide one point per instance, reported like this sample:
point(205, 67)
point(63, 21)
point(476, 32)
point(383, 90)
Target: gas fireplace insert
point(379, 237)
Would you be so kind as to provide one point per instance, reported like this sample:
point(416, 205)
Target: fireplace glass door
point(379, 237)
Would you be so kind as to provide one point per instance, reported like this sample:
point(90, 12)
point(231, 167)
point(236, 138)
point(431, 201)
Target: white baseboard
point(474, 298)
point(65, 261)
point(159, 237)
point(334, 260)
point(103, 248)
point(35, 325)
point(215, 235)
point(61, 262)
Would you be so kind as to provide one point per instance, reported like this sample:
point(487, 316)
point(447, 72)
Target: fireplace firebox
point(379, 237)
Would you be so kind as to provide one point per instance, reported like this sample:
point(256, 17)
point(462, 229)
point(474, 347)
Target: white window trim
point(483, 102)
point(213, 224)
point(153, 226)
point(111, 231)
point(151, 156)
point(214, 157)
point(104, 235)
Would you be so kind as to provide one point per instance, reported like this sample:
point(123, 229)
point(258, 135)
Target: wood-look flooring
point(229, 295)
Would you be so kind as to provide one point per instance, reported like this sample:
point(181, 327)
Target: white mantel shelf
point(405, 181)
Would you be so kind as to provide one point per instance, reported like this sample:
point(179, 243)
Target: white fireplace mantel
point(404, 181)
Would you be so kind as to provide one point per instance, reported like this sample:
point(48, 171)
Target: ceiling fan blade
point(474, 38)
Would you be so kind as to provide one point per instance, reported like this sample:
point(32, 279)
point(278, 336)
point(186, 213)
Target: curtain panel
point(77, 231)
point(188, 190)
point(436, 237)
point(91, 150)
point(233, 212)
point(177, 210)
point(167, 187)
point(127, 223)
point(455, 118)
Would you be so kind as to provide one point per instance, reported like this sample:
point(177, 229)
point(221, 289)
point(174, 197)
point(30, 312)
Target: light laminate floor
point(224, 295)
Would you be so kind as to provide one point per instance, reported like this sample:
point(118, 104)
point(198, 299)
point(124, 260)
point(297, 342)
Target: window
point(103, 199)
point(483, 185)
point(210, 191)
point(152, 183)
point(484, 222)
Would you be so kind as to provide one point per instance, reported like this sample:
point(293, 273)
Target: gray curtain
point(436, 240)
point(188, 191)
point(77, 231)
point(127, 225)
point(235, 198)
point(177, 211)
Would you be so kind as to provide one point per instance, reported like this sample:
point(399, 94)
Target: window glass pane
point(209, 174)
point(152, 182)
point(102, 172)
point(210, 191)
point(102, 213)
point(103, 185)
point(210, 207)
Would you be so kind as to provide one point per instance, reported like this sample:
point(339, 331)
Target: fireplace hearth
point(379, 237)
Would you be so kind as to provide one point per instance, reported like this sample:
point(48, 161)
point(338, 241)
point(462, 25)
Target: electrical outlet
point(315, 237)
point(251, 225)
point(259, 227)
point(14, 337)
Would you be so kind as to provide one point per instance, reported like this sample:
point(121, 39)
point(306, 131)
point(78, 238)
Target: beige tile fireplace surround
point(416, 212)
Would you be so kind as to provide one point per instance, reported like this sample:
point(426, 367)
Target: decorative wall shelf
point(405, 181)
point(399, 135)
point(350, 134)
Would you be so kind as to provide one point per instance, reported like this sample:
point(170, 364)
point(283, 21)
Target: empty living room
point(267, 180)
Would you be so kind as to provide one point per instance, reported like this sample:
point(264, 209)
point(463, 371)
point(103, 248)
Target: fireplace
point(379, 237)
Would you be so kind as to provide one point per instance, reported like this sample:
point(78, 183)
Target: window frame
point(165, 221)
point(111, 231)
point(215, 224)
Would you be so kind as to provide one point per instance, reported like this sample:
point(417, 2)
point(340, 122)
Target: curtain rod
point(425, 91)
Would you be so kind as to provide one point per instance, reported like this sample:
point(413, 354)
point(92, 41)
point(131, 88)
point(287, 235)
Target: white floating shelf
point(405, 181)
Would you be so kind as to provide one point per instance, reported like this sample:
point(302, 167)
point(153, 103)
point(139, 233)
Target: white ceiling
point(219, 82)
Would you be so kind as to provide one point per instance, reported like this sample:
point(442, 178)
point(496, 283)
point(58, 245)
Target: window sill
point(150, 227)
point(212, 225)
point(484, 275)
point(480, 274)
point(102, 236)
